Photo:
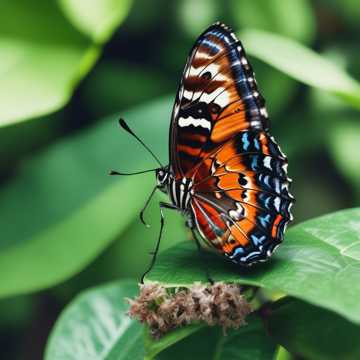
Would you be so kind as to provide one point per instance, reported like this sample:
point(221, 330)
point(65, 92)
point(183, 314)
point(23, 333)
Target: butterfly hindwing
point(246, 191)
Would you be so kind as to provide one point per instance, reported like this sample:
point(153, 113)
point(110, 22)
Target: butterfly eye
point(206, 75)
point(214, 108)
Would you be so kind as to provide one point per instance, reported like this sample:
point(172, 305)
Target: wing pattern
point(243, 205)
point(217, 98)
point(220, 139)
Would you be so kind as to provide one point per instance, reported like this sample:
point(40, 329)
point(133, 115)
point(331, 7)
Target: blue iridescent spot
point(264, 179)
point(254, 160)
point(266, 202)
point(245, 141)
point(238, 251)
point(220, 35)
point(256, 143)
point(264, 220)
point(213, 48)
point(258, 240)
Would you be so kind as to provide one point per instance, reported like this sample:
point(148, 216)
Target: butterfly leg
point(201, 254)
point(141, 215)
point(162, 206)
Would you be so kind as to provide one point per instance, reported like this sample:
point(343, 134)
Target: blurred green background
point(69, 68)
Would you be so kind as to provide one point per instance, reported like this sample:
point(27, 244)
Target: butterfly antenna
point(125, 126)
point(114, 172)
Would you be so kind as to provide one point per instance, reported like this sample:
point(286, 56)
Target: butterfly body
point(226, 175)
point(179, 190)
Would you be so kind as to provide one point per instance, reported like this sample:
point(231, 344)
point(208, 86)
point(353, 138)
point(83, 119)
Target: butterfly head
point(162, 178)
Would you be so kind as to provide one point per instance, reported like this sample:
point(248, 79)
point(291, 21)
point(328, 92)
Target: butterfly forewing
point(219, 138)
point(217, 98)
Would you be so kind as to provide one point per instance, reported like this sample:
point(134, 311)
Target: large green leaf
point(301, 63)
point(95, 326)
point(319, 262)
point(62, 209)
point(312, 332)
point(44, 56)
point(249, 342)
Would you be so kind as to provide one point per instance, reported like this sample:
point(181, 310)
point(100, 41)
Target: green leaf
point(200, 345)
point(277, 98)
point(95, 326)
point(343, 143)
point(283, 354)
point(63, 209)
point(249, 342)
point(154, 347)
point(96, 19)
point(312, 332)
point(318, 262)
point(302, 64)
point(293, 18)
point(44, 56)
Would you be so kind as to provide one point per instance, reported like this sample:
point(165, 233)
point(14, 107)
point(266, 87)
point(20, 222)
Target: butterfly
point(226, 174)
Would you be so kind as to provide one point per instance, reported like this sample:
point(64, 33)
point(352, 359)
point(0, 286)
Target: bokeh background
point(68, 69)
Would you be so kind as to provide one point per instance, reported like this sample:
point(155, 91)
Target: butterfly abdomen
point(180, 192)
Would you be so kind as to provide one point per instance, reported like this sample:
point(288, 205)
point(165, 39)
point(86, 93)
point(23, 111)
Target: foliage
point(96, 327)
point(68, 71)
point(302, 64)
point(81, 333)
point(312, 332)
point(43, 47)
point(318, 256)
point(84, 222)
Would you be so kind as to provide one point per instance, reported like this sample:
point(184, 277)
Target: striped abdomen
point(180, 192)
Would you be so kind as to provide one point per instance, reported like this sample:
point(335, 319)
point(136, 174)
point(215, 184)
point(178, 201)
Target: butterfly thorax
point(162, 178)
point(179, 191)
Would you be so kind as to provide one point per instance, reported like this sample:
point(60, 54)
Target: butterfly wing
point(217, 98)
point(219, 138)
point(242, 206)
